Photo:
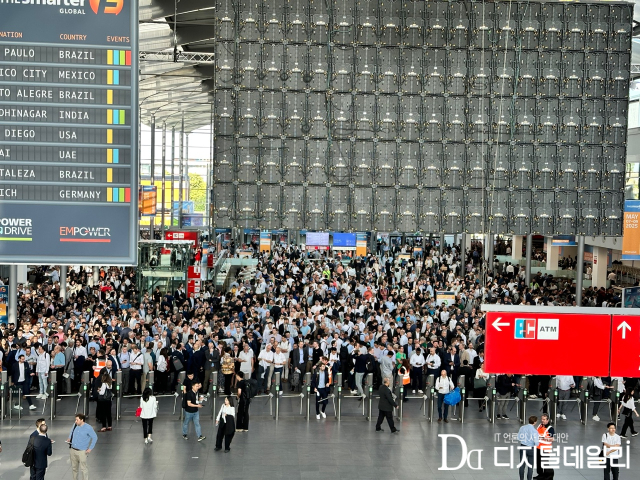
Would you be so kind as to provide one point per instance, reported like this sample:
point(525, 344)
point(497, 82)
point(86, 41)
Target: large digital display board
point(68, 131)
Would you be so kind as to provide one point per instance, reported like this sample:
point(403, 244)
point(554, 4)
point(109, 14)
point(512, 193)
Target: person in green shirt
point(400, 355)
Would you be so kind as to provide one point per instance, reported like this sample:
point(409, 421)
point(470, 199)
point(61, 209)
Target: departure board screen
point(68, 131)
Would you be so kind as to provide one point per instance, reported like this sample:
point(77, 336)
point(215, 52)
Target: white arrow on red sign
point(497, 324)
point(624, 326)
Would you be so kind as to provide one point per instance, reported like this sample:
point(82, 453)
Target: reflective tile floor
point(293, 448)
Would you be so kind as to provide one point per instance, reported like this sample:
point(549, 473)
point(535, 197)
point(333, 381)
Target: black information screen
point(68, 131)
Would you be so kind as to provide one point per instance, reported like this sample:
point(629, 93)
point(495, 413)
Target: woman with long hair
point(226, 422)
point(627, 409)
point(148, 411)
point(162, 370)
point(104, 399)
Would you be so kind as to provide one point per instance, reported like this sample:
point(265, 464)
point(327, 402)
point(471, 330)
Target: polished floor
point(293, 448)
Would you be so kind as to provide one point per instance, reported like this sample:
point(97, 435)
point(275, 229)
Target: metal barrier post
point(276, 387)
point(307, 388)
point(613, 409)
point(369, 392)
point(118, 394)
point(339, 395)
point(427, 404)
point(150, 379)
point(181, 376)
point(214, 392)
point(398, 391)
point(3, 394)
point(491, 393)
point(584, 399)
point(12, 390)
point(553, 406)
point(461, 383)
point(523, 409)
point(85, 392)
point(53, 393)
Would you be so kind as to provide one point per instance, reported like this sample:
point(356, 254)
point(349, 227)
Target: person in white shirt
point(149, 411)
point(42, 369)
point(611, 449)
point(265, 368)
point(433, 363)
point(135, 378)
point(599, 389)
point(417, 362)
point(564, 383)
point(245, 357)
point(443, 386)
point(226, 423)
point(279, 360)
point(627, 409)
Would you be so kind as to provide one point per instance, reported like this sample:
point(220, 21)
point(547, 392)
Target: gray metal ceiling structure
point(281, 165)
point(172, 85)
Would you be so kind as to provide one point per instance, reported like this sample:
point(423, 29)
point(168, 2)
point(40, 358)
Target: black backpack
point(28, 457)
point(252, 387)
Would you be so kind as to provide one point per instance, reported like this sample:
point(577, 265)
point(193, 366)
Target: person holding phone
point(192, 411)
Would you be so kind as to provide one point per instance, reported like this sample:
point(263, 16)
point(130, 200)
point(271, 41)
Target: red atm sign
point(547, 343)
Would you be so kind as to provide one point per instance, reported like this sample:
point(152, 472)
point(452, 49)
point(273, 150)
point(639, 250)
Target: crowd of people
point(295, 313)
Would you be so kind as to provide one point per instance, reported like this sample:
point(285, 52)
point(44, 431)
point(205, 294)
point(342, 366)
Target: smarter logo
point(113, 7)
point(85, 234)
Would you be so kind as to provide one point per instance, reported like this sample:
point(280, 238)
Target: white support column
point(553, 254)
point(516, 247)
point(599, 272)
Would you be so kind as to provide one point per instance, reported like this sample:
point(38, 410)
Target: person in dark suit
point(385, 407)
point(299, 358)
point(20, 376)
point(41, 450)
point(452, 362)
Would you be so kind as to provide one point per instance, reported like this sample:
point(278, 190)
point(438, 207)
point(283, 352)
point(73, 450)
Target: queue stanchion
point(276, 388)
point(553, 405)
point(3, 395)
point(118, 394)
point(524, 395)
point(583, 396)
point(180, 388)
point(53, 393)
point(338, 410)
point(492, 395)
point(15, 391)
point(213, 379)
point(85, 392)
point(460, 384)
point(151, 379)
point(613, 410)
point(427, 408)
point(306, 387)
point(369, 392)
point(398, 391)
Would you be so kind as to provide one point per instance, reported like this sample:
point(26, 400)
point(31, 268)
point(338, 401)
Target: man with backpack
point(247, 389)
point(35, 456)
